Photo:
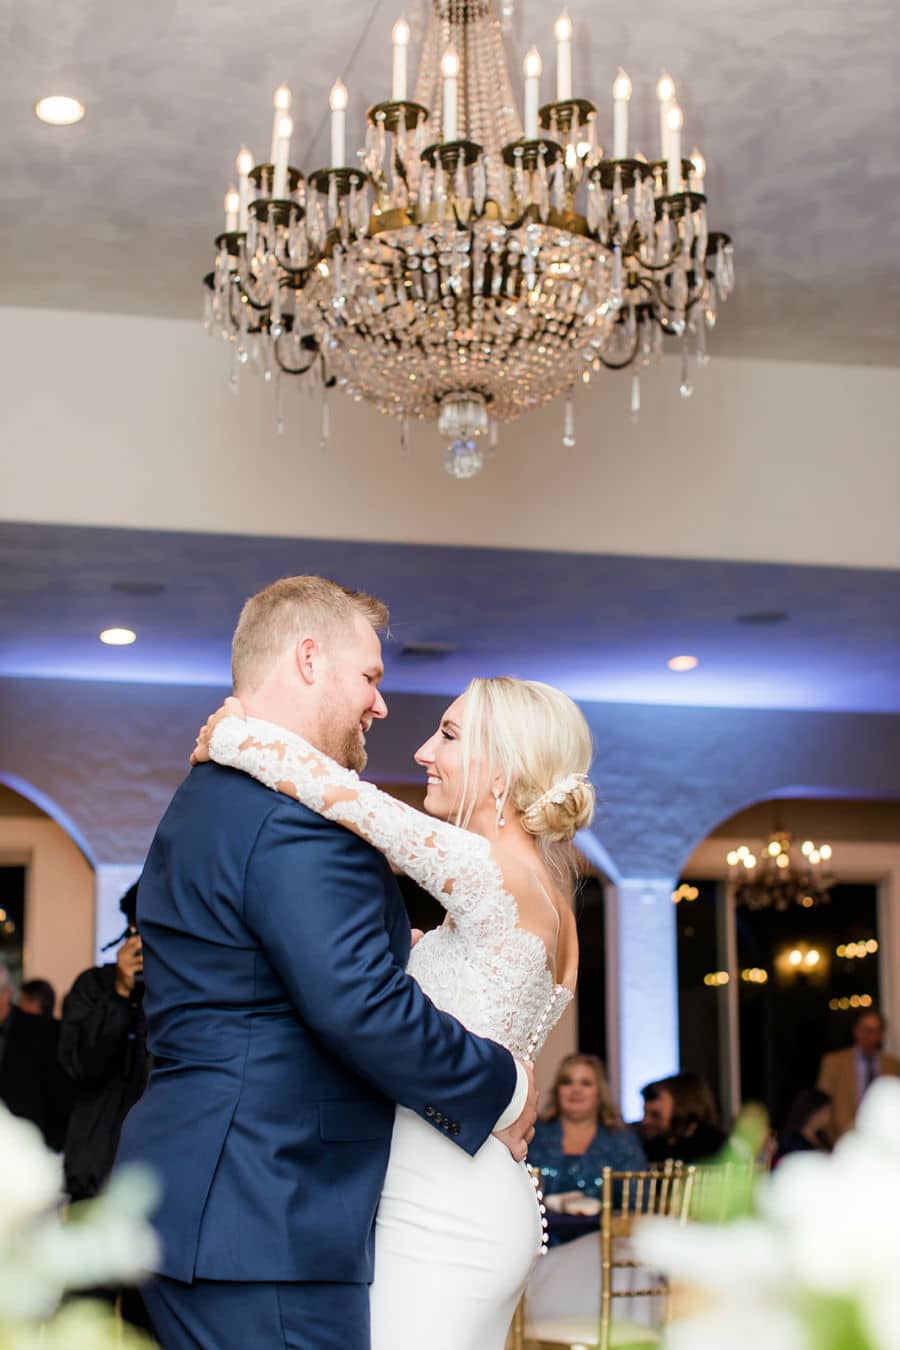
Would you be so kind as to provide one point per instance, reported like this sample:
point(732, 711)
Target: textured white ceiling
point(794, 105)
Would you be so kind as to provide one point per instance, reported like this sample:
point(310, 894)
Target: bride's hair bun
point(557, 814)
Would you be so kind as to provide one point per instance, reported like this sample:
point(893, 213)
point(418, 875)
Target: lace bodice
point(479, 965)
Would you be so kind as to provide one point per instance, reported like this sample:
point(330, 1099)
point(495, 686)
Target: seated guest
point(37, 997)
point(653, 1127)
point(680, 1120)
point(582, 1132)
point(845, 1074)
point(806, 1127)
point(32, 1085)
point(580, 1135)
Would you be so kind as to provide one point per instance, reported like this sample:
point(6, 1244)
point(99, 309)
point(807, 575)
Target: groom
point(282, 1024)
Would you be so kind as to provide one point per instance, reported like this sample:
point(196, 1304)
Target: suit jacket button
point(430, 1111)
point(454, 1128)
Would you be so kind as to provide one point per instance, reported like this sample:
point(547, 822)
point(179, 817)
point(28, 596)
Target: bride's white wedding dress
point(456, 1236)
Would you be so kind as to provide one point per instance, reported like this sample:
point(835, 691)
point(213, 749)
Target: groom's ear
point(307, 656)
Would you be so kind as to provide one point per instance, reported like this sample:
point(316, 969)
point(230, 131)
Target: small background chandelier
point(779, 875)
point(465, 266)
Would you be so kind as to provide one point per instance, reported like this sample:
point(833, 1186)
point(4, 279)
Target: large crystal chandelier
point(776, 877)
point(466, 268)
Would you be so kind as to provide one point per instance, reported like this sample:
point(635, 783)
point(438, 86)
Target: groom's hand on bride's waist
point(518, 1132)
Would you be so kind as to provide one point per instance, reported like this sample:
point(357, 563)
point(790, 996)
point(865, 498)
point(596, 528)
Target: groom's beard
point(344, 744)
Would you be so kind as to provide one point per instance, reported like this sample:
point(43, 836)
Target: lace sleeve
point(454, 865)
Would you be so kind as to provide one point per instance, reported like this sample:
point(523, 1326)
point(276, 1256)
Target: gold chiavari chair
point(626, 1197)
point(722, 1191)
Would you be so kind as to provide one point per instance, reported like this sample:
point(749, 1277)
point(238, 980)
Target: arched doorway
point(764, 993)
point(46, 891)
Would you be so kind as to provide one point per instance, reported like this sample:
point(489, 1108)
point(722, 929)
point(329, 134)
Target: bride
point(457, 1236)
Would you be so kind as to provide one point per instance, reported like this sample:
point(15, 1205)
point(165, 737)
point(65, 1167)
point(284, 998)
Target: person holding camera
point(102, 1050)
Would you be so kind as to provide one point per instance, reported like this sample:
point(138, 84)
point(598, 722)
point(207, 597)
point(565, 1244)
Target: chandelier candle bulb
point(665, 92)
point(400, 41)
point(533, 68)
point(450, 76)
point(282, 149)
point(621, 95)
point(338, 100)
point(698, 170)
point(243, 164)
point(562, 31)
point(231, 210)
point(282, 101)
point(674, 123)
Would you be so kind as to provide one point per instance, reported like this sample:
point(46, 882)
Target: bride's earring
point(498, 803)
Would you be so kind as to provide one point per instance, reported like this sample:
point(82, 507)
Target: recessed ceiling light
point(682, 662)
point(118, 637)
point(59, 110)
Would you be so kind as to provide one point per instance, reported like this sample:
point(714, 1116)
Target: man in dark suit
point(282, 1025)
point(32, 1084)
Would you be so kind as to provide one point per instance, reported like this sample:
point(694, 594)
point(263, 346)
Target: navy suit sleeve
point(315, 898)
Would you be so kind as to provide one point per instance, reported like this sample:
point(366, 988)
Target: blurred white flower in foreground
point(102, 1242)
point(30, 1176)
point(818, 1267)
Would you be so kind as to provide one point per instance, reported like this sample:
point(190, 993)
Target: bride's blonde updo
point(536, 738)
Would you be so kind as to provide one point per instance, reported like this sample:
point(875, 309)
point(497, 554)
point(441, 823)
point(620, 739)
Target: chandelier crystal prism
point(469, 268)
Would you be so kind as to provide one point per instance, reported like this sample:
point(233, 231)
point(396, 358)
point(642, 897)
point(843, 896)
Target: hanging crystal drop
point(337, 273)
point(685, 389)
point(559, 187)
point(479, 186)
point(279, 404)
point(493, 435)
point(440, 191)
point(520, 189)
point(405, 446)
point(664, 238)
point(635, 396)
point(699, 327)
point(242, 353)
point(593, 207)
point(459, 181)
point(463, 458)
point(568, 436)
point(712, 297)
point(325, 430)
point(504, 190)
point(332, 201)
point(425, 186)
point(615, 285)
point(543, 190)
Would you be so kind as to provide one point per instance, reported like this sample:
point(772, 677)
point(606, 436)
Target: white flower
point(30, 1176)
point(827, 1236)
point(104, 1241)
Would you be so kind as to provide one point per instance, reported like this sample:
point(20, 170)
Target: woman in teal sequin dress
point(582, 1132)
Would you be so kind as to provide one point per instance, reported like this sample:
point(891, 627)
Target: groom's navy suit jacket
point(283, 1028)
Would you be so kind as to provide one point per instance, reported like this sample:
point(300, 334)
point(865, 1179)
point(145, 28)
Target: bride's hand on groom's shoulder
point(232, 707)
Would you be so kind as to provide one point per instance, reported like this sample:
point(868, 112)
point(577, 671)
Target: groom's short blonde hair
point(288, 610)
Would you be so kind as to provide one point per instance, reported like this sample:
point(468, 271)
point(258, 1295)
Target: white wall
point(59, 899)
point(112, 420)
